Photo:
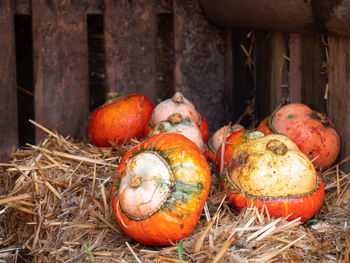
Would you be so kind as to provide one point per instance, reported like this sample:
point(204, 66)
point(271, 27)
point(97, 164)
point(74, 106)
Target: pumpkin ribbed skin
point(312, 131)
point(179, 214)
point(120, 119)
point(271, 170)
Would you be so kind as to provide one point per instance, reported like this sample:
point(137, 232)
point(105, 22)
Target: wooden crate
point(220, 69)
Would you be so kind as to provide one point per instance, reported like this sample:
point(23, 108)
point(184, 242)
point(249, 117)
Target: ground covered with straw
point(55, 207)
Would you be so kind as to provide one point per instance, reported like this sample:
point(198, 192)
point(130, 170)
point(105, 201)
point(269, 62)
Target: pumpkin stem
point(135, 181)
point(178, 97)
point(277, 147)
point(175, 118)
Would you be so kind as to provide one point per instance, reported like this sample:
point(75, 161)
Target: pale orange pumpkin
point(175, 123)
point(313, 132)
point(178, 104)
point(160, 189)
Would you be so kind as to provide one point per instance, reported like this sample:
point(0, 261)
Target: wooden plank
point(285, 16)
point(307, 75)
point(295, 65)
point(60, 66)
point(200, 62)
point(95, 7)
point(270, 72)
point(8, 93)
point(313, 81)
point(130, 46)
point(339, 92)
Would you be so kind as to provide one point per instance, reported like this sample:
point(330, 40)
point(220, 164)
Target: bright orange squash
point(272, 172)
point(160, 189)
point(120, 119)
point(312, 131)
point(178, 104)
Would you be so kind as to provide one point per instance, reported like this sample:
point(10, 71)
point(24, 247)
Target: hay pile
point(54, 207)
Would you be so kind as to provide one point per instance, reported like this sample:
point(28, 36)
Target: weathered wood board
point(270, 67)
point(60, 66)
point(130, 47)
point(339, 91)
point(308, 76)
point(8, 93)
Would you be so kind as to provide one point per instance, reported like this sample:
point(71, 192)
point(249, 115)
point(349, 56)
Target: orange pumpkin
point(312, 131)
point(160, 189)
point(217, 139)
point(120, 119)
point(271, 172)
point(178, 104)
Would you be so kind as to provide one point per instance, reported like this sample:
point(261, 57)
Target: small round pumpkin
point(272, 172)
point(217, 139)
point(175, 123)
point(120, 119)
point(312, 131)
point(160, 189)
point(178, 104)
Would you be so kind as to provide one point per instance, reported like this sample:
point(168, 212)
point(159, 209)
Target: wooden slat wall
point(60, 65)
point(307, 75)
point(130, 47)
point(206, 69)
point(200, 61)
point(8, 94)
point(339, 91)
point(270, 68)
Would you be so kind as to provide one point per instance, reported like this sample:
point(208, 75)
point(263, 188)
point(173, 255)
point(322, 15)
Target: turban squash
point(160, 189)
point(271, 172)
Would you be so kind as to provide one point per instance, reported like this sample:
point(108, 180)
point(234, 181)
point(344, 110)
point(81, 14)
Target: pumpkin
point(120, 119)
point(312, 131)
point(178, 104)
point(175, 123)
point(160, 189)
point(218, 137)
point(271, 173)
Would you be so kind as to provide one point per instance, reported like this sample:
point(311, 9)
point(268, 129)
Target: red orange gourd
point(312, 132)
point(160, 189)
point(272, 172)
point(120, 119)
